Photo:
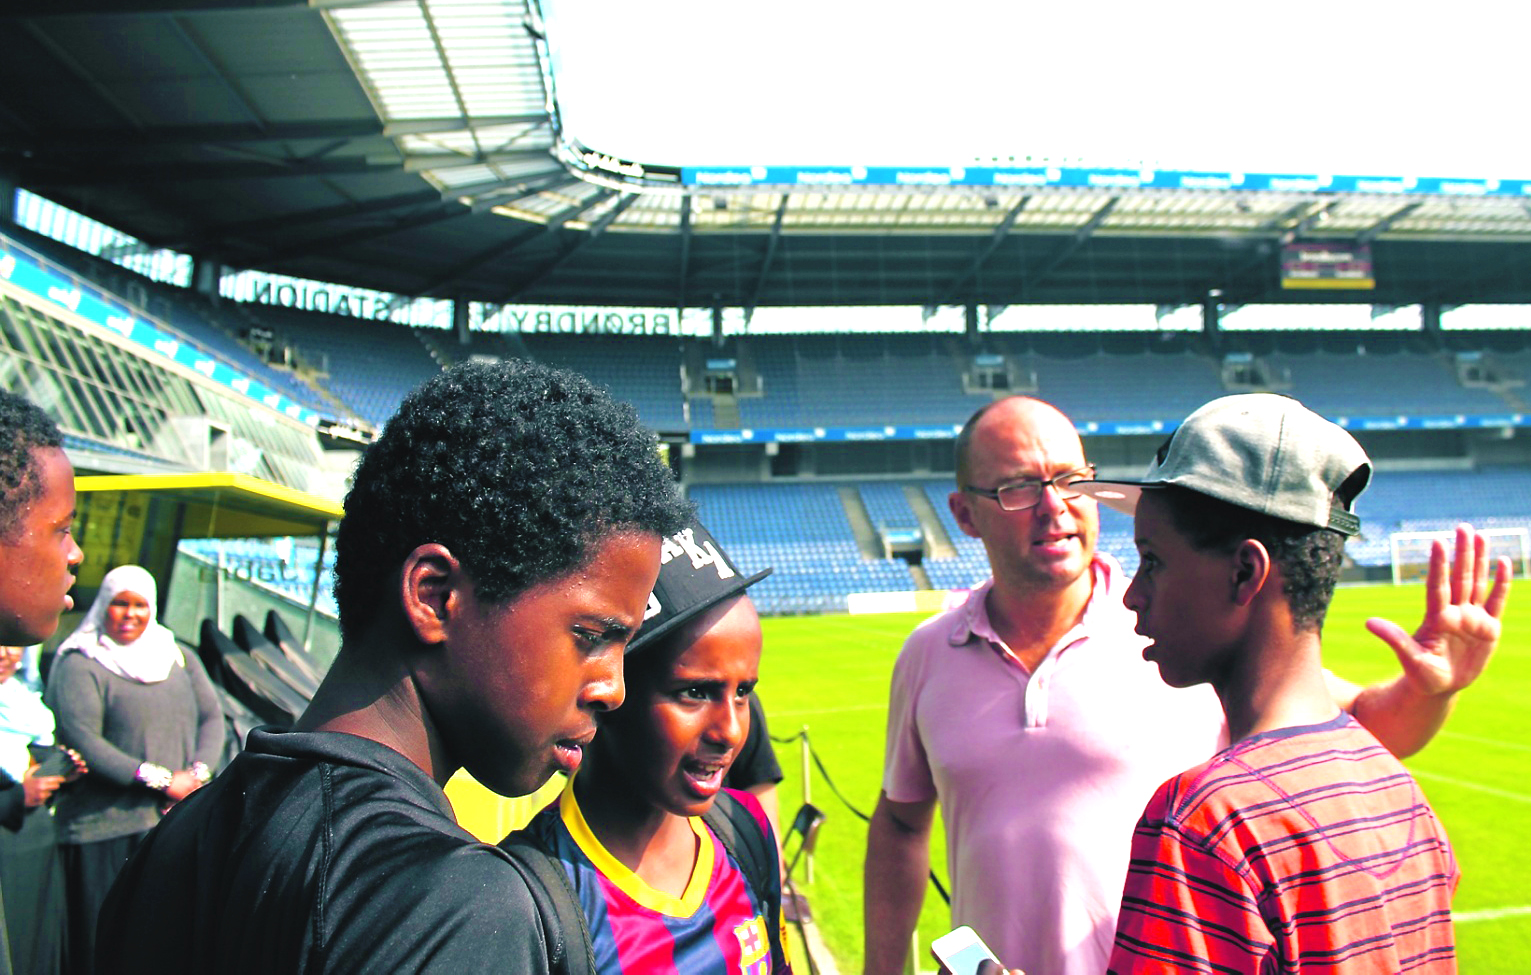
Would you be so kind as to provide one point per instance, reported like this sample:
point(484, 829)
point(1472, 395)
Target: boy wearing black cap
point(1304, 845)
point(667, 886)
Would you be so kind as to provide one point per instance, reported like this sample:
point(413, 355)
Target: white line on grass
point(1495, 742)
point(1492, 914)
point(1462, 784)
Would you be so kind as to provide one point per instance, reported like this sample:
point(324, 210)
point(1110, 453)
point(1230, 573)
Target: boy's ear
point(1249, 570)
point(430, 577)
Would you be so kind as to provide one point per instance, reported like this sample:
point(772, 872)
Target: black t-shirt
point(318, 852)
point(756, 762)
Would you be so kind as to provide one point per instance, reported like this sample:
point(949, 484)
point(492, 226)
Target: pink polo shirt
point(1041, 776)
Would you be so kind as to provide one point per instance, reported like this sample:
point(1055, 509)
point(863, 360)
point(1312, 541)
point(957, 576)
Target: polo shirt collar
point(1109, 583)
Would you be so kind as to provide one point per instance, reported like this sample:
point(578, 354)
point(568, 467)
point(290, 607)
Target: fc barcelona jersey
point(717, 925)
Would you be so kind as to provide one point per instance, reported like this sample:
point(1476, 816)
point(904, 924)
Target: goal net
point(1411, 551)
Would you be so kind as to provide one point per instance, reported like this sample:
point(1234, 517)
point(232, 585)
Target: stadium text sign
point(565, 319)
point(322, 298)
point(586, 321)
point(1319, 265)
point(1096, 177)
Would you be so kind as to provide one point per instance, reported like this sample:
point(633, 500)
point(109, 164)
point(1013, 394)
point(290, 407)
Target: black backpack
point(563, 922)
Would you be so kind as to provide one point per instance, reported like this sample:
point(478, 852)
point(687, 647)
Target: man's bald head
point(1011, 414)
point(1048, 546)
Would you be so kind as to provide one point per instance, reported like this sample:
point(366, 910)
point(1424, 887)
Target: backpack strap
point(755, 851)
point(568, 937)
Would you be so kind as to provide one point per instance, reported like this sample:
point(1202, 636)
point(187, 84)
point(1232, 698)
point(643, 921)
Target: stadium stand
point(774, 360)
point(699, 413)
point(1107, 386)
point(644, 370)
point(970, 565)
point(1379, 385)
point(370, 377)
point(799, 526)
point(1434, 500)
point(887, 506)
point(802, 533)
point(197, 322)
point(875, 380)
point(859, 380)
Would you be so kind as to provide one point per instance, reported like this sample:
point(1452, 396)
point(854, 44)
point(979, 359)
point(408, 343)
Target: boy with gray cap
point(1304, 846)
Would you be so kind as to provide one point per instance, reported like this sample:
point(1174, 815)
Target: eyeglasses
point(1018, 495)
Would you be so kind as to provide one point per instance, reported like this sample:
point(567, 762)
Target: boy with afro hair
point(499, 544)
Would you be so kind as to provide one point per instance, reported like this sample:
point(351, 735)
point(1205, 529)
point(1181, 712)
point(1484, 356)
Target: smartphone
point(961, 950)
point(51, 760)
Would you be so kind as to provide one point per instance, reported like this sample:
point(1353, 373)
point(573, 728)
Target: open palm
point(1462, 618)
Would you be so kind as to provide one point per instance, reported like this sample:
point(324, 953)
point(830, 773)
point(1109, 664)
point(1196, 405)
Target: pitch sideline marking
point(1490, 914)
point(1463, 784)
point(1495, 742)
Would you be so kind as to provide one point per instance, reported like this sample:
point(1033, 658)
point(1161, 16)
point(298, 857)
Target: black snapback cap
point(694, 575)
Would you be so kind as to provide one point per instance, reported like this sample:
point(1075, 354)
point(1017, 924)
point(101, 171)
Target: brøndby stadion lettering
point(336, 300)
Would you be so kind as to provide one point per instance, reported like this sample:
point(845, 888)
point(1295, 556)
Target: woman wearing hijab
point(30, 876)
point(146, 719)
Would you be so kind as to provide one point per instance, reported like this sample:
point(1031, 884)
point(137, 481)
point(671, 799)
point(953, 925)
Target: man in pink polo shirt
point(1029, 714)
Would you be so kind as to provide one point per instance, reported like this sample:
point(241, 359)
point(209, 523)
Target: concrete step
point(867, 539)
point(921, 577)
point(938, 544)
point(725, 413)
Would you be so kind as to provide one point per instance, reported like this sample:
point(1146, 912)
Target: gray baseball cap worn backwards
point(1260, 451)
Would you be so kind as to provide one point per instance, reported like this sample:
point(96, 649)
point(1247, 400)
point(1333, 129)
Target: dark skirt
point(32, 884)
point(89, 870)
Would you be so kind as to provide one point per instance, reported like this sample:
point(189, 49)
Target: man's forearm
point(897, 863)
point(1399, 716)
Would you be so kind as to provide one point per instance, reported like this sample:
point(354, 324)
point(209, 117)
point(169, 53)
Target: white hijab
point(147, 659)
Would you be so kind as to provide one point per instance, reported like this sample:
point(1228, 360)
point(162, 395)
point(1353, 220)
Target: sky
point(1354, 87)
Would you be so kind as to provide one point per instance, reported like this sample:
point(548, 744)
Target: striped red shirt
point(1301, 850)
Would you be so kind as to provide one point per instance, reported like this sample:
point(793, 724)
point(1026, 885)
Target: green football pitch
point(830, 675)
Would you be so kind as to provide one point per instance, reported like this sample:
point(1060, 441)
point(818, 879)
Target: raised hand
point(1462, 618)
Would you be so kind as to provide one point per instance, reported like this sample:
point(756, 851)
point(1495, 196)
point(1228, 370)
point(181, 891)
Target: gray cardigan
point(117, 724)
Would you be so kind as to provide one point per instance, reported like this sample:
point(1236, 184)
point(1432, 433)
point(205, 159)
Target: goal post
point(1411, 550)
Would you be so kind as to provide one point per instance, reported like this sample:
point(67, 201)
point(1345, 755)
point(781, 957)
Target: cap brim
point(1117, 495)
point(647, 636)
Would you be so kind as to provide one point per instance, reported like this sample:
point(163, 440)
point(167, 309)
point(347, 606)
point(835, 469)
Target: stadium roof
point(415, 147)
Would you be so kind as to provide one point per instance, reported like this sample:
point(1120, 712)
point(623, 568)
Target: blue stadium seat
point(801, 532)
point(371, 364)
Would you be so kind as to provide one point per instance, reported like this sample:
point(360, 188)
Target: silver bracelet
point(156, 777)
